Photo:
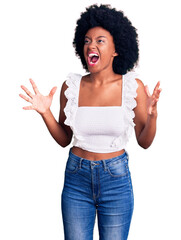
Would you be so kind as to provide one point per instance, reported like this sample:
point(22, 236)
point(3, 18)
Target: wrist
point(46, 113)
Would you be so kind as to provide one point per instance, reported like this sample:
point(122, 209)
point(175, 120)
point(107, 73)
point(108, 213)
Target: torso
point(107, 95)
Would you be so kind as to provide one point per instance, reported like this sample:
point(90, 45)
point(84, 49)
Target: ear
point(115, 54)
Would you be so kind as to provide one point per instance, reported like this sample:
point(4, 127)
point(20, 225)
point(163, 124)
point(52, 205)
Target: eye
point(86, 41)
point(100, 41)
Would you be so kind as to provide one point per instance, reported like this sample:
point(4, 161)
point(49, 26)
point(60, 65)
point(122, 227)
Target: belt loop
point(127, 155)
point(104, 163)
point(80, 163)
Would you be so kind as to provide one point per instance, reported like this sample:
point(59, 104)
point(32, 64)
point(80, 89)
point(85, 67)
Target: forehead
point(98, 31)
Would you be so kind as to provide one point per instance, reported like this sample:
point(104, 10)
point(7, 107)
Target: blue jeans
point(104, 187)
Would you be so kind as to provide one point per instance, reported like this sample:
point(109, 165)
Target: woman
point(100, 110)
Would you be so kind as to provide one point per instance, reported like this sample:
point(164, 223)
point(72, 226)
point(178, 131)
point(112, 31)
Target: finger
point(27, 91)
point(156, 87)
point(147, 91)
point(28, 108)
point(157, 93)
point(25, 98)
point(34, 86)
point(154, 102)
point(52, 92)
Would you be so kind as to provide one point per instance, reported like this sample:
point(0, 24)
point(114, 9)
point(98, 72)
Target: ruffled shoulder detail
point(129, 101)
point(129, 94)
point(130, 86)
point(71, 93)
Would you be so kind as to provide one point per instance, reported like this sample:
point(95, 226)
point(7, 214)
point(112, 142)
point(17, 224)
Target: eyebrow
point(96, 37)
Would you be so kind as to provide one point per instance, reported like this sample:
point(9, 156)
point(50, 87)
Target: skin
point(105, 86)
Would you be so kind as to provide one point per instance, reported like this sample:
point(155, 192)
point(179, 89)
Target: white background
point(36, 42)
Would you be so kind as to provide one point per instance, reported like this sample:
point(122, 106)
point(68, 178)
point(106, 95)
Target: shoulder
point(140, 86)
point(70, 86)
point(62, 91)
point(141, 94)
point(139, 82)
point(72, 80)
point(63, 98)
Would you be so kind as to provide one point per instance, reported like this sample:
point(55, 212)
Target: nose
point(92, 45)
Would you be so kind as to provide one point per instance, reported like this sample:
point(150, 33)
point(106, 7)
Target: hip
point(98, 179)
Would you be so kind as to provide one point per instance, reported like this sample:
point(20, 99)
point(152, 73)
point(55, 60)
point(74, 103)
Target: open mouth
point(93, 58)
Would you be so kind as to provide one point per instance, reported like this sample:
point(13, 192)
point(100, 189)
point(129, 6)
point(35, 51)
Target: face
point(99, 50)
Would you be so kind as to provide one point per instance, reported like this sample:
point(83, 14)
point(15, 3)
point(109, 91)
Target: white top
point(101, 129)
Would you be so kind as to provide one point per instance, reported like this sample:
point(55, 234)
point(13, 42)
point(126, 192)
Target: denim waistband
point(97, 162)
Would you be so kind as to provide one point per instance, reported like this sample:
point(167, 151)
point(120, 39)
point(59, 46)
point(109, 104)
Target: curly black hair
point(124, 35)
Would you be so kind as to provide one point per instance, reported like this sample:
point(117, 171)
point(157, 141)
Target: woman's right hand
point(39, 102)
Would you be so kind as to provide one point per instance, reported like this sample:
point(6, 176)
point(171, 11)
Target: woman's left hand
point(153, 99)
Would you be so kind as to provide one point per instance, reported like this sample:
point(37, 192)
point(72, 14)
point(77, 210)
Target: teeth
point(93, 54)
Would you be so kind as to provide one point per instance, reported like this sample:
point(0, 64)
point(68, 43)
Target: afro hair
point(124, 35)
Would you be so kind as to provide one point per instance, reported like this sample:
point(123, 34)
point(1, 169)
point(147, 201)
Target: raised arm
point(42, 105)
point(146, 114)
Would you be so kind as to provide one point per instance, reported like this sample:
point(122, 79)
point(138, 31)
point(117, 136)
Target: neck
point(103, 78)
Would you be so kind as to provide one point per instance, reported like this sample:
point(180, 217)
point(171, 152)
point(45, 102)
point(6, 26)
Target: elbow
point(66, 139)
point(144, 144)
point(65, 144)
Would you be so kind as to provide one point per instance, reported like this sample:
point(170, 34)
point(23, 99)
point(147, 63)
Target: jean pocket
point(71, 166)
point(118, 168)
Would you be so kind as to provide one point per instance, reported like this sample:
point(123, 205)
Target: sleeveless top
point(101, 129)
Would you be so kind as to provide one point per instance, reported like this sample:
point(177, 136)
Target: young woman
point(100, 110)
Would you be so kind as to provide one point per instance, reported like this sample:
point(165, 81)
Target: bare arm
point(146, 114)
point(42, 105)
